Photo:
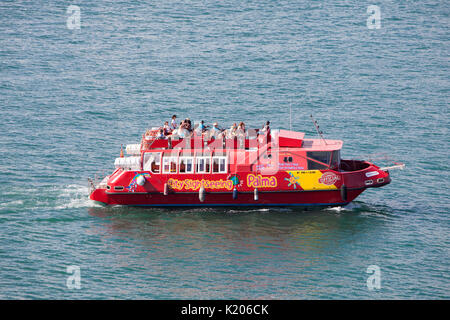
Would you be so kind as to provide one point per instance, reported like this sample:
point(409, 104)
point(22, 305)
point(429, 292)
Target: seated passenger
point(166, 128)
point(215, 131)
point(232, 131)
point(161, 134)
point(241, 129)
point(200, 128)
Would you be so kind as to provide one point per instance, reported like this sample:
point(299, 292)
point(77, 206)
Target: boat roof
point(322, 145)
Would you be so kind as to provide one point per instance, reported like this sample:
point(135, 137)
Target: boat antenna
point(320, 133)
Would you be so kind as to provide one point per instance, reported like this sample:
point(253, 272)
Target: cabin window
point(219, 164)
point(203, 164)
point(322, 156)
point(223, 165)
point(336, 159)
point(186, 165)
point(170, 165)
point(152, 162)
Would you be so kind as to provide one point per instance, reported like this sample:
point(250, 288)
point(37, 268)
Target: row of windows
point(219, 164)
point(152, 163)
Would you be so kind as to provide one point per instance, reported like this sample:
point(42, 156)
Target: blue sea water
point(70, 97)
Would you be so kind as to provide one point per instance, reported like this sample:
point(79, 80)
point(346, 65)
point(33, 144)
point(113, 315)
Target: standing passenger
point(189, 124)
point(266, 128)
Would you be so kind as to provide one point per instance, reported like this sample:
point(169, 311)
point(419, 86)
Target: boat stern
point(99, 195)
point(97, 191)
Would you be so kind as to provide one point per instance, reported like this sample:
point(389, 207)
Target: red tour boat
point(277, 168)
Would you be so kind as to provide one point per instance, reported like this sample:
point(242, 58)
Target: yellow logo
point(258, 181)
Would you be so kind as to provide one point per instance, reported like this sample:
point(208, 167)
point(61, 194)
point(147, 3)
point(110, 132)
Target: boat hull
point(326, 198)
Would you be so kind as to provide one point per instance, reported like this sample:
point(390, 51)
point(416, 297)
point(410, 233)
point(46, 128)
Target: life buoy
point(201, 194)
point(235, 193)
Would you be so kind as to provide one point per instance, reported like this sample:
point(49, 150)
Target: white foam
point(73, 196)
point(348, 207)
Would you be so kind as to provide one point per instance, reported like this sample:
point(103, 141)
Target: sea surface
point(69, 97)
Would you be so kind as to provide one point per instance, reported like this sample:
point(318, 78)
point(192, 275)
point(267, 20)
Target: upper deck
point(249, 152)
point(252, 140)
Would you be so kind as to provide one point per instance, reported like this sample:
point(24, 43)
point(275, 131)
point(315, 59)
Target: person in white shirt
point(166, 128)
point(215, 131)
point(231, 133)
point(241, 129)
point(182, 131)
point(173, 123)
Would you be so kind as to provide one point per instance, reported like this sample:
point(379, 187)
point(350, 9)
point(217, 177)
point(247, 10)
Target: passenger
point(182, 131)
point(215, 131)
point(200, 127)
point(241, 129)
point(231, 133)
point(234, 129)
point(166, 128)
point(266, 128)
point(161, 134)
point(189, 124)
point(184, 126)
point(148, 133)
point(173, 123)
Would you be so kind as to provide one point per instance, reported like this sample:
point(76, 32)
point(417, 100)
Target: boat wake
point(74, 196)
point(46, 197)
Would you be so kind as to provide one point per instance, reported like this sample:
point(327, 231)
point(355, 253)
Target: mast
point(290, 116)
point(320, 133)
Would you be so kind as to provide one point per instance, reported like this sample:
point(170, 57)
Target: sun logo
point(293, 180)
